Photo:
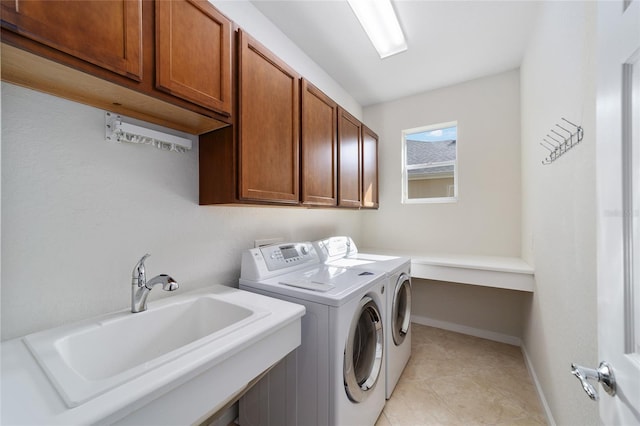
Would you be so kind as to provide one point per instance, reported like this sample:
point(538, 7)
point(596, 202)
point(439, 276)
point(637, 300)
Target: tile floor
point(455, 379)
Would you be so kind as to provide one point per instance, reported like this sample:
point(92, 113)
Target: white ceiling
point(449, 42)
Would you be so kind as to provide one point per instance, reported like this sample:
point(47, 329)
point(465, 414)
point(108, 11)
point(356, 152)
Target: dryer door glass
point(363, 351)
point(401, 309)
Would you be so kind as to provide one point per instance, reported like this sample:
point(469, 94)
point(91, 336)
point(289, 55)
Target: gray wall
point(78, 212)
point(487, 312)
point(486, 218)
point(559, 206)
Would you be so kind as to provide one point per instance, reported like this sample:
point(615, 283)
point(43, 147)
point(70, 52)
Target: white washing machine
point(337, 375)
point(341, 251)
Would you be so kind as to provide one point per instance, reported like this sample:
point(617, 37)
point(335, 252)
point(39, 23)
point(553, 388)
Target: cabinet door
point(268, 132)
point(349, 167)
point(104, 33)
point(318, 147)
point(193, 53)
point(369, 168)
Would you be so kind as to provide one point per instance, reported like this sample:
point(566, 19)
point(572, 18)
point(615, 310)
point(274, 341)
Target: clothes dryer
point(341, 251)
point(337, 375)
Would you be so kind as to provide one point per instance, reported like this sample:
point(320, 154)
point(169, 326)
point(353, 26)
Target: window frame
point(405, 168)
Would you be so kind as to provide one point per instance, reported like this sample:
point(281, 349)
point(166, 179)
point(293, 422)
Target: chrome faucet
point(140, 287)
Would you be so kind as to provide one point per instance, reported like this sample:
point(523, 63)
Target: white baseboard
point(471, 331)
point(534, 377)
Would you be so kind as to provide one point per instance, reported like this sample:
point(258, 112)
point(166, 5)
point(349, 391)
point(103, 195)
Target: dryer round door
point(401, 309)
point(363, 350)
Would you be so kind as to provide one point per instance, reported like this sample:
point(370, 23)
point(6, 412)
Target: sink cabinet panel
point(191, 403)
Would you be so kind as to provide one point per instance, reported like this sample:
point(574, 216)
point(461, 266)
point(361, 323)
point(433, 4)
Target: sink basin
point(183, 360)
point(86, 359)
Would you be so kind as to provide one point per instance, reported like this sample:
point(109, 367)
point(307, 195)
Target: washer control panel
point(277, 259)
point(279, 256)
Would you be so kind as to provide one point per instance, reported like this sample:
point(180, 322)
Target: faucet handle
point(139, 272)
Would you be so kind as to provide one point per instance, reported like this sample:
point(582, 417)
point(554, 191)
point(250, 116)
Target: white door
point(618, 188)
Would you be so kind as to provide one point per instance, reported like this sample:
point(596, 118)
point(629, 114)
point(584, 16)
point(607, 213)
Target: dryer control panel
point(276, 259)
point(334, 248)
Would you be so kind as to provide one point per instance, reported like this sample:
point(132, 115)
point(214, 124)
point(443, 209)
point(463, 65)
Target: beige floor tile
point(473, 402)
point(455, 379)
point(414, 403)
point(531, 420)
point(382, 420)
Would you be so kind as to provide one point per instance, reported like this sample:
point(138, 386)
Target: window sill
point(442, 200)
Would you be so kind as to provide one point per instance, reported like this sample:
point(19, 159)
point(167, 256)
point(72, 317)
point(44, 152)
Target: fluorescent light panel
point(380, 22)
point(126, 129)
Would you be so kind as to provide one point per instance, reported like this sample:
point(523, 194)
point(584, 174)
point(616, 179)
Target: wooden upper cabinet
point(319, 173)
point(193, 53)
point(369, 168)
point(105, 33)
point(268, 125)
point(349, 160)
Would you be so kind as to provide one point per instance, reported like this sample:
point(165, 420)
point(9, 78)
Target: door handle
point(603, 374)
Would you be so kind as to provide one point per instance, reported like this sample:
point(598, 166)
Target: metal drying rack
point(561, 143)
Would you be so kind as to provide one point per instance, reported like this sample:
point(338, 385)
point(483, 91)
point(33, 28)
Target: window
point(429, 171)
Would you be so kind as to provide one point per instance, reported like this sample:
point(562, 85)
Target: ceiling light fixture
point(380, 22)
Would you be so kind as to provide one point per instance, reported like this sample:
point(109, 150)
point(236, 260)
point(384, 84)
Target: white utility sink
point(88, 358)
